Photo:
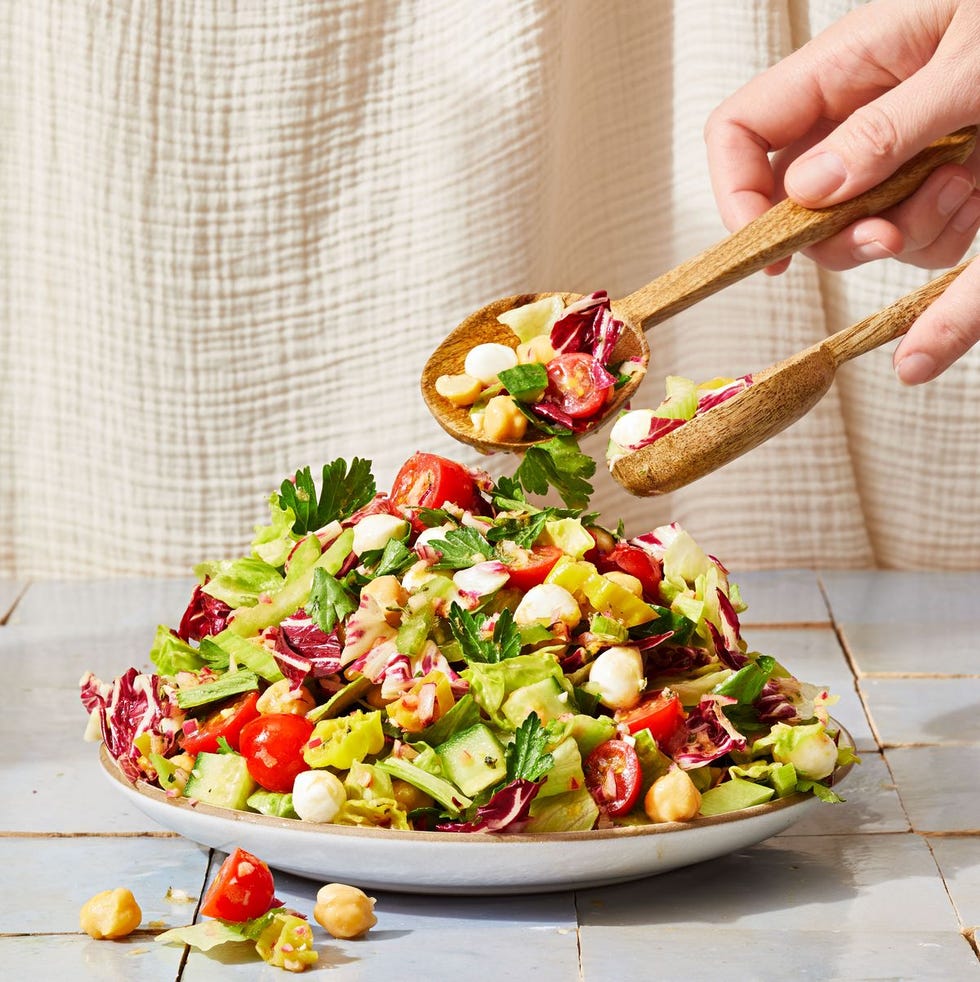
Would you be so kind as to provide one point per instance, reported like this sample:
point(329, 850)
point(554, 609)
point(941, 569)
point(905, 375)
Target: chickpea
point(627, 581)
point(281, 697)
point(502, 420)
point(538, 349)
point(110, 914)
point(672, 797)
point(409, 796)
point(460, 390)
point(344, 911)
point(389, 595)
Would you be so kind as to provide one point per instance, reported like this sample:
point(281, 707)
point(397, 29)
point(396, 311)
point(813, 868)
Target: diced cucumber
point(473, 759)
point(220, 779)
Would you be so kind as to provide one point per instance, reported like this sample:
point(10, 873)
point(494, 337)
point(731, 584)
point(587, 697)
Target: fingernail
point(865, 251)
point(968, 215)
point(954, 192)
point(915, 368)
point(815, 177)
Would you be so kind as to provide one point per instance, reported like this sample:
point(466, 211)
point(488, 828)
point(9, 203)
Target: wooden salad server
point(783, 230)
point(777, 397)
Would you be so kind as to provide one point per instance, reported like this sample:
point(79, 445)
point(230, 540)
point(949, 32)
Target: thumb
point(870, 144)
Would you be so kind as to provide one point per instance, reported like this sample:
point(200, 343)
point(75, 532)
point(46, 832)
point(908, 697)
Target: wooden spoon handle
point(889, 323)
point(783, 230)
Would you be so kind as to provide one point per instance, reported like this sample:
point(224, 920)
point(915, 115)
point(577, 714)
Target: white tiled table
point(885, 886)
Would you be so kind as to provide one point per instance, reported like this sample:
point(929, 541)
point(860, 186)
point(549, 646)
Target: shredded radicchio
point(588, 325)
point(303, 649)
point(205, 616)
point(714, 397)
point(710, 735)
point(506, 811)
point(128, 707)
point(673, 659)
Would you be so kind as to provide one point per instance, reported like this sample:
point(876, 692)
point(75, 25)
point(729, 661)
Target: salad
point(558, 379)
point(450, 656)
point(684, 400)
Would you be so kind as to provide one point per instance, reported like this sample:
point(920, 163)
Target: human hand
point(841, 114)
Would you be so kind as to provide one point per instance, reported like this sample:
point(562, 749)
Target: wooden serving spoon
point(783, 230)
point(778, 396)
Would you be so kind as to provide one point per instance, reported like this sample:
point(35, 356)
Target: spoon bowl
point(784, 229)
point(483, 327)
point(777, 397)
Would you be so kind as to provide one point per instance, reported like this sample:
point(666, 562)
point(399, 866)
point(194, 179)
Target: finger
point(862, 242)
point(828, 78)
point(918, 231)
point(877, 137)
point(944, 333)
point(952, 243)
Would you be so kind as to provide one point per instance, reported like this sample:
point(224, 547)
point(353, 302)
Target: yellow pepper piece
point(428, 700)
point(613, 600)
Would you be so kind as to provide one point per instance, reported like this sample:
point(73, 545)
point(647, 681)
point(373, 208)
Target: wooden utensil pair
point(782, 393)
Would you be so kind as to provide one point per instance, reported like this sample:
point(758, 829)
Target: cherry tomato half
point(613, 776)
point(226, 722)
point(243, 889)
point(637, 562)
point(529, 567)
point(578, 384)
point(661, 714)
point(272, 746)
point(429, 481)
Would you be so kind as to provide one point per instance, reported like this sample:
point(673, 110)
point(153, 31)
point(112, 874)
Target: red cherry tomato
point(577, 384)
point(529, 567)
point(661, 714)
point(612, 775)
point(243, 889)
point(428, 481)
point(272, 746)
point(226, 722)
point(637, 562)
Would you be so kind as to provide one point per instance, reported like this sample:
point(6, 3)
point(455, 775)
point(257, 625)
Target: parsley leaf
point(329, 602)
point(395, 558)
point(476, 647)
point(526, 757)
point(461, 548)
point(508, 495)
point(342, 492)
point(557, 463)
point(524, 530)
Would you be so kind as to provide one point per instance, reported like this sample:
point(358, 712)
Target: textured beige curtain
point(232, 230)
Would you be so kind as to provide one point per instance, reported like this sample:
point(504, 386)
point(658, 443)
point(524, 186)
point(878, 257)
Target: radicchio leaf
point(303, 649)
point(506, 811)
point(710, 735)
point(204, 617)
point(128, 707)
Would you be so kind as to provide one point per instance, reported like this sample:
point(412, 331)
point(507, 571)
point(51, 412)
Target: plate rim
point(158, 796)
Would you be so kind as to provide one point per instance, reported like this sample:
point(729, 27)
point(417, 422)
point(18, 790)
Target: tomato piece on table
point(637, 562)
point(661, 714)
point(529, 567)
point(613, 776)
point(226, 722)
point(577, 384)
point(242, 890)
point(272, 746)
point(429, 481)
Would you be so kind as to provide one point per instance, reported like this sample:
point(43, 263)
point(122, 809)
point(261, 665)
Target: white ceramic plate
point(465, 863)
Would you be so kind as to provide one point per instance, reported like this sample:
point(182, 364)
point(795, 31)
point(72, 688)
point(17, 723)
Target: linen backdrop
point(231, 231)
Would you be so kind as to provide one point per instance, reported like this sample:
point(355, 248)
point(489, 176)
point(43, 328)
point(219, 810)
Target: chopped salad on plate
point(448, 655)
